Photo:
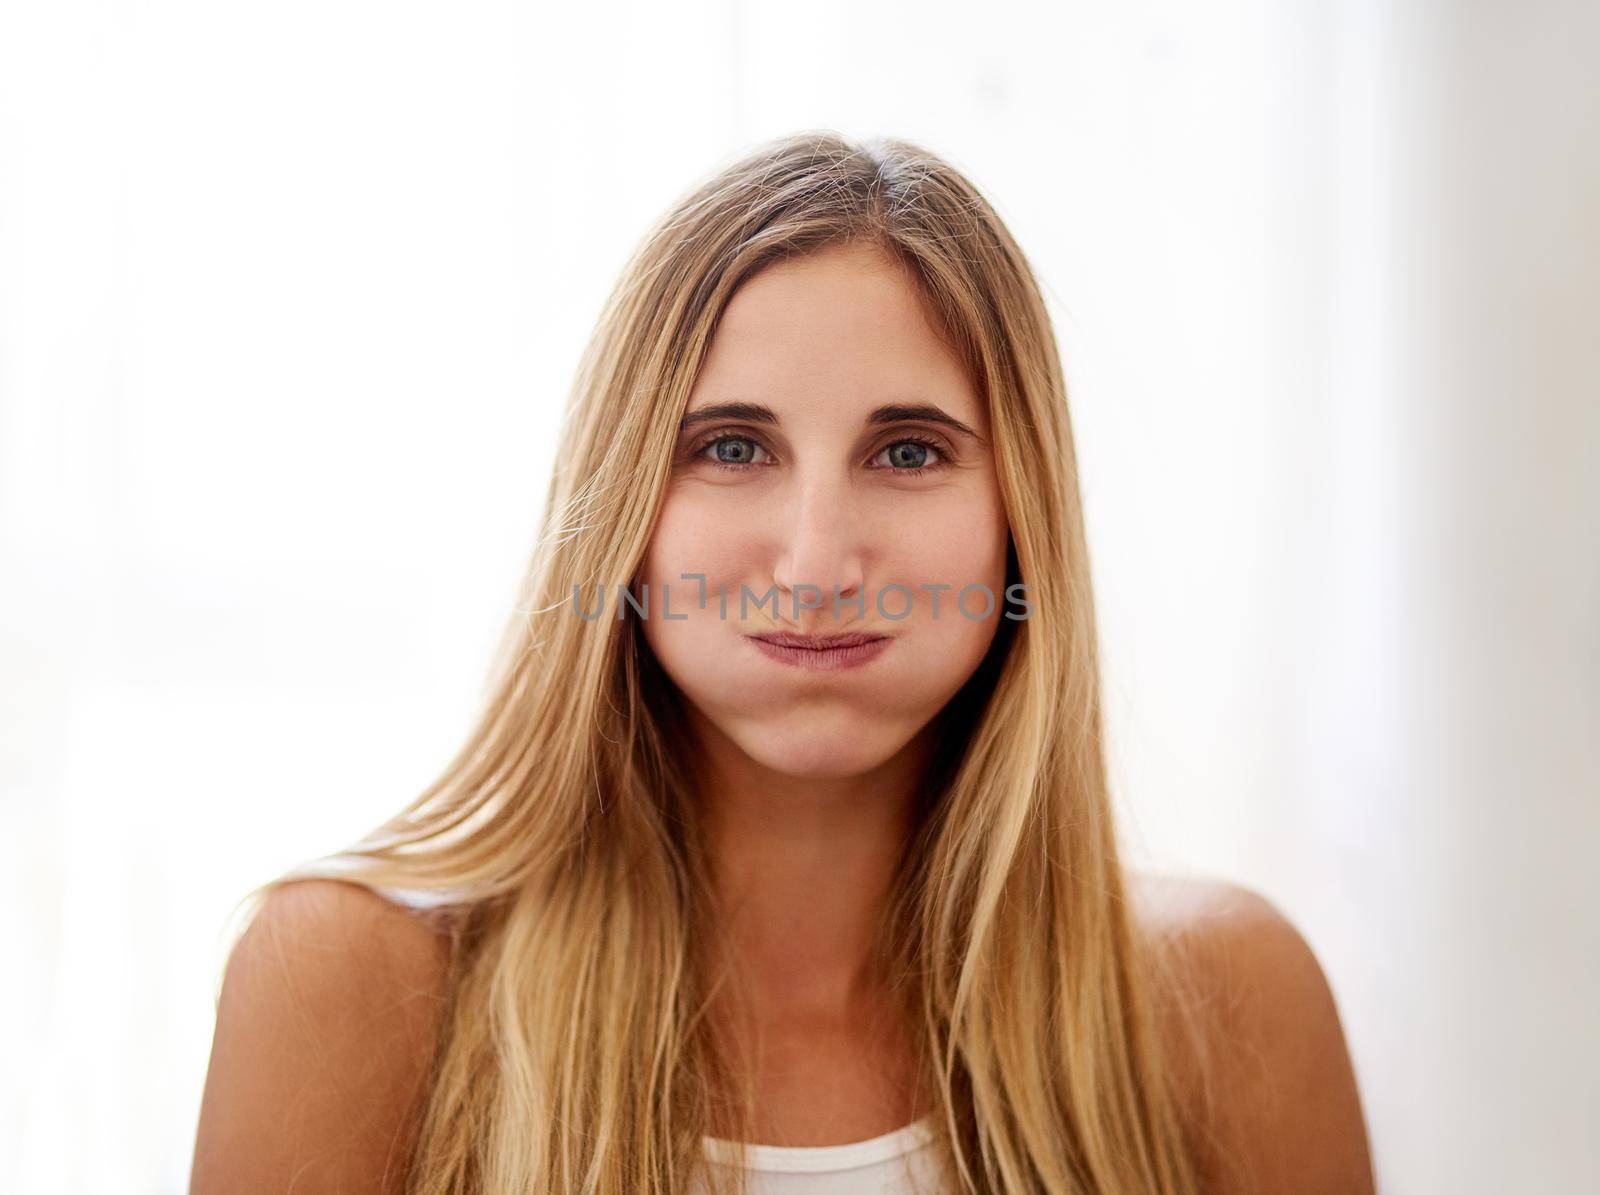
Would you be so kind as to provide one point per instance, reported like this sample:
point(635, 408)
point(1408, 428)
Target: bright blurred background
point(290, 297)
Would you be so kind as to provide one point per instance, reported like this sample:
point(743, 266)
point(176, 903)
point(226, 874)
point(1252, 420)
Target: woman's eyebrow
point(751, 412)
point(923, 412)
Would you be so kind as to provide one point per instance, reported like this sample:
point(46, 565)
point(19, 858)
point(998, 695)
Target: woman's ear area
point(1253, 1031)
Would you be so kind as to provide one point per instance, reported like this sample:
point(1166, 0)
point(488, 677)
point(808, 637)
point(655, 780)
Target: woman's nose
point(819, 545)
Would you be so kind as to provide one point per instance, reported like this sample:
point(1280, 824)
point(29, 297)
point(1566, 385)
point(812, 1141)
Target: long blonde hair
point(576, 1055)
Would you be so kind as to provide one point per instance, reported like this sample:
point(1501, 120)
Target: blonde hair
point(576, 1054)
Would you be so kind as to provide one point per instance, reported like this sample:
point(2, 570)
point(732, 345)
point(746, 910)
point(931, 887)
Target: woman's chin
point(834, 750)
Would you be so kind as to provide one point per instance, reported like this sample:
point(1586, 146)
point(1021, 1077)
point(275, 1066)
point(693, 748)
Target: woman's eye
point(732, 451)
point(909, 456)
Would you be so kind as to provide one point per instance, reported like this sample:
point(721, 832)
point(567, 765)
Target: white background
point(290, 297)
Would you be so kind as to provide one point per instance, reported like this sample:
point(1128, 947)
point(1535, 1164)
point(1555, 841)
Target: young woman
point(782, 852)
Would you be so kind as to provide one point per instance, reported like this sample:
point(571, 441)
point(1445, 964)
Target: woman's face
point(817, 485)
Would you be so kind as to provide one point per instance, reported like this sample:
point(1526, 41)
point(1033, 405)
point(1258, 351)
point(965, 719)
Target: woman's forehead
point(842, 333)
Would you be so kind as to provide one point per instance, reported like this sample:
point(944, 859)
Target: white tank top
point(902, 1162)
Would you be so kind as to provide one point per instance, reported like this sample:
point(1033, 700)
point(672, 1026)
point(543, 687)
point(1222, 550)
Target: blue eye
point(742, 451)
point(729, 452)
point(909, 456)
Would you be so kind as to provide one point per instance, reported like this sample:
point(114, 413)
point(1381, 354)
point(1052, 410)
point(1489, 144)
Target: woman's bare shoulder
point(327, 1022)
point(1254, 1032)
